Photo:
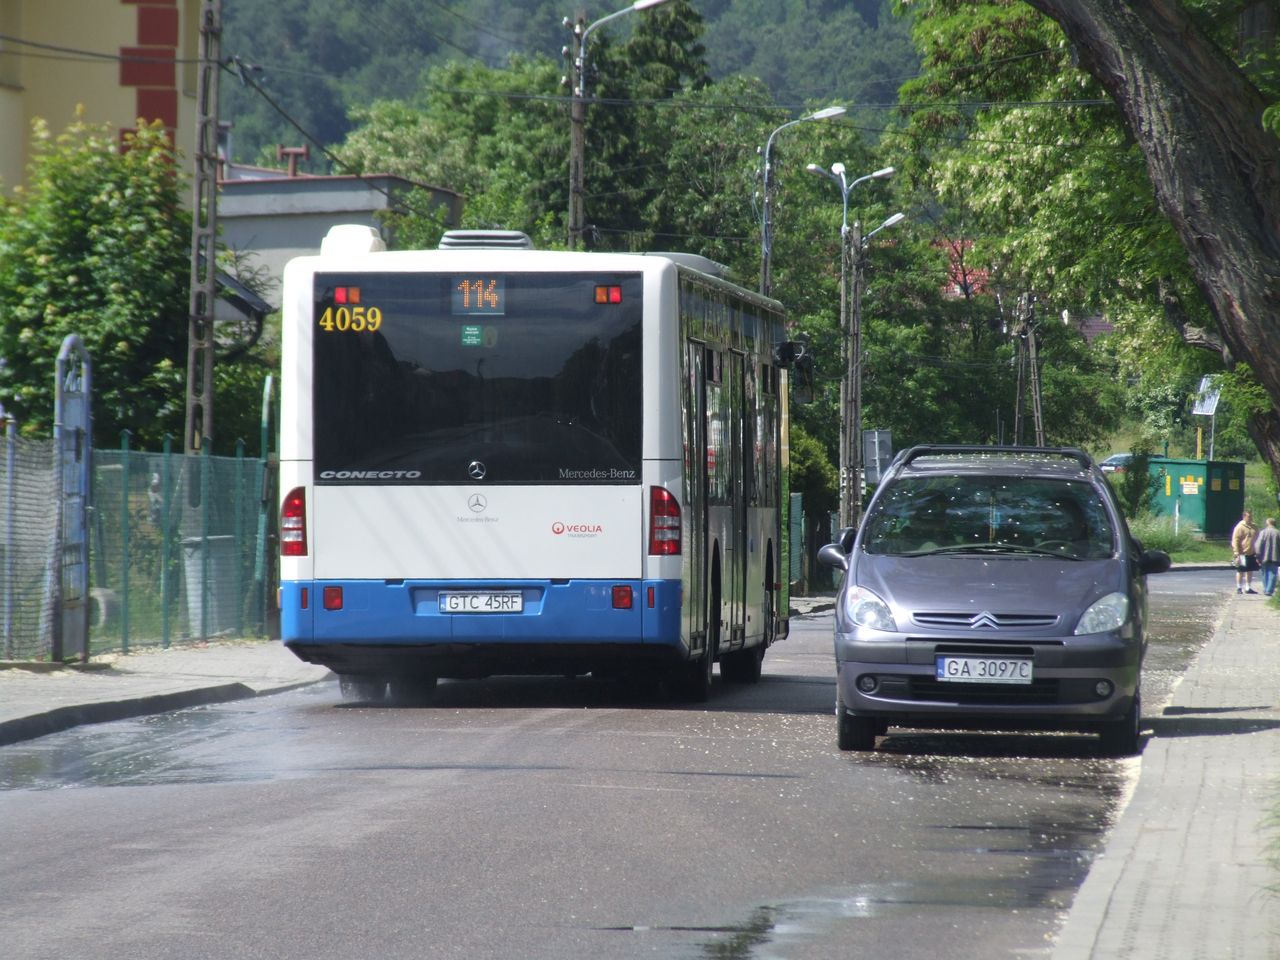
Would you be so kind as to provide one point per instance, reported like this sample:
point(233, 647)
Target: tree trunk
point(1215, 168)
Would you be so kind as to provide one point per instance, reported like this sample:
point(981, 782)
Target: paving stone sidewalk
point(1192, 869)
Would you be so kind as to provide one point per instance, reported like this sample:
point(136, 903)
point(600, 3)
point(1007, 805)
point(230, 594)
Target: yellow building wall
point(117, 58)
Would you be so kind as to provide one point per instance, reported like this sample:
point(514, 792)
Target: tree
point(96, 244)
point(1214, 165)
point(497, 136)
point(1158, 146)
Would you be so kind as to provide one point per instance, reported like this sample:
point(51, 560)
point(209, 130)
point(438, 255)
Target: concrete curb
point(66, 717)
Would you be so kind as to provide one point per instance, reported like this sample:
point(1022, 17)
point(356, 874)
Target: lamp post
point(852, 246)
point(766, 223)
point(578, 110)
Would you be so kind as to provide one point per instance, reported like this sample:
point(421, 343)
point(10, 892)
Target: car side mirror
point(833, 556)
point(1154, 561)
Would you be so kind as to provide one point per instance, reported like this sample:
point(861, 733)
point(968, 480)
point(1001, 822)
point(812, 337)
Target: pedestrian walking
point(1243, 557)
point(1266, 547)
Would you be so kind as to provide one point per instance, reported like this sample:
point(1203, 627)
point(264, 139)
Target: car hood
point(959, 583)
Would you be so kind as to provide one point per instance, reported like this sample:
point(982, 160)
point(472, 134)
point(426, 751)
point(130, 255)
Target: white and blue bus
point(498, 460)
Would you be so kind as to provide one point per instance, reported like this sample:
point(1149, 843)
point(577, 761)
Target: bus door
point(695, 495)
point(736, 554)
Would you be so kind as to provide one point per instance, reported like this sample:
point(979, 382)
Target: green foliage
point(1158, 533)
point(1136, 488)
point(812, 474)
point(494, 137)
point(1042, 175)
point(96, 244)
point(320, 59)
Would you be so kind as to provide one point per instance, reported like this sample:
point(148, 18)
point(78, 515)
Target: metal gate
point(72, 441)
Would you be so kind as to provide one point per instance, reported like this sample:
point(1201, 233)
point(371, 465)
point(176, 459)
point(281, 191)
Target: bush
point(1157, 533)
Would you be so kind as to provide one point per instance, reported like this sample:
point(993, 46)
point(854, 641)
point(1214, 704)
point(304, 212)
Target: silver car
point(991, 587)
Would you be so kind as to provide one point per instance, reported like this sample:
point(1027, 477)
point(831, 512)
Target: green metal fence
point(28, 547)
point(182, 548)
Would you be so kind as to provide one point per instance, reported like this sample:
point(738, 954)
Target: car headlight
point(1109, 613)
point(867, 610)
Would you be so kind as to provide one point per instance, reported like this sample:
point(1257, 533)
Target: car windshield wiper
point(1023, 548)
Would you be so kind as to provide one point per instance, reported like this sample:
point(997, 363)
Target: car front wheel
point(854, 733)
point(1123, 737)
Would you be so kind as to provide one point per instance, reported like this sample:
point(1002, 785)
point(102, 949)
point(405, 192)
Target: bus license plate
point(983, 670)
point(503, 602)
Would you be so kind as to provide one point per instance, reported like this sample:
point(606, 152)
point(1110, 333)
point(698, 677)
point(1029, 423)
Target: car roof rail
point(935, 449)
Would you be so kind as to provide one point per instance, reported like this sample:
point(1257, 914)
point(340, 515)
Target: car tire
point(1123, 737)
point(854, 733)
point(359, 689)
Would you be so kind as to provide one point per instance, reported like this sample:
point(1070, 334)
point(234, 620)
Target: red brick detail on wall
point(158, 26)
point(147, 67)
point(159, 105)
point(151, 66)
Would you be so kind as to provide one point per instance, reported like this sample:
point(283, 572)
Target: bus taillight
point(664, 523)
point(293, 524)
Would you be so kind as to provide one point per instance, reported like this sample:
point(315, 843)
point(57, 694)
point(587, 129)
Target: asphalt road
point(552, 818)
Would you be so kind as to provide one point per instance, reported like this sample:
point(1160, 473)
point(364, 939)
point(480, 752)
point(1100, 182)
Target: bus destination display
point(479, 296)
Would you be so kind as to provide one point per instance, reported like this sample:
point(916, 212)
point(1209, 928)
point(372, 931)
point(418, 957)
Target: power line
point(513, 41)
point(87, 54)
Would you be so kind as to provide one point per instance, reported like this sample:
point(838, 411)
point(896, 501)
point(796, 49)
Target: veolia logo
point(576, 529)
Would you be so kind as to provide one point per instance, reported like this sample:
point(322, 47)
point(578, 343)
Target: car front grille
point(984, 620)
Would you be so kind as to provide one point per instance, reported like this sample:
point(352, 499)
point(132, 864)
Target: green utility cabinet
point(1207, 494)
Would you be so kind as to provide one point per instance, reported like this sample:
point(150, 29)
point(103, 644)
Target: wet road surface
point(557, 818)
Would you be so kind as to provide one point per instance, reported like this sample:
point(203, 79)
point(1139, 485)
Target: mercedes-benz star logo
point(476, 503)
point(476, 470)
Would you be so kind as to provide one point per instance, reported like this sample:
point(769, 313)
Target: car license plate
point(983, 669)
point(507, 601)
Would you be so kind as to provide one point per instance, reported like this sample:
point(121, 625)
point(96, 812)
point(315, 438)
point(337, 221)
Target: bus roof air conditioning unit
point(348, 239)
point(485, 239)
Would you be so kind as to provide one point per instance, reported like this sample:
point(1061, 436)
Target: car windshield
point(959, 514)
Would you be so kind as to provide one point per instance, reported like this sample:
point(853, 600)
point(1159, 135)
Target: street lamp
point(766, 224)
point(852, 245)
point(578, 110)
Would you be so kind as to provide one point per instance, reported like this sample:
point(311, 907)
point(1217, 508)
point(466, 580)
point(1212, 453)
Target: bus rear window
point(512, 378)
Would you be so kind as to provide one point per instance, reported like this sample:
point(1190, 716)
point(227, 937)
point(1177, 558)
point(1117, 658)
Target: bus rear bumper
point(402, 627)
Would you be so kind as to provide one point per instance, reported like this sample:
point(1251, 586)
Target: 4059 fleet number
point(350, 319)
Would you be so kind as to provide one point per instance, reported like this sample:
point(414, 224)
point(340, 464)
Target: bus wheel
point(359, 689)
point(412, 691)
point(691, 681)
point(743, 666)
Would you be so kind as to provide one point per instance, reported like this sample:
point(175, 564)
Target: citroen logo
point(476, 470)
point(984, 621)
point(476, 503)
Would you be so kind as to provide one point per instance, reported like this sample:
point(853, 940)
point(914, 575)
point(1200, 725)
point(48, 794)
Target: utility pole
point(851, 414)
point(578, 129)
point(1028, 367)
point(204, 234)
point(578, 109)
